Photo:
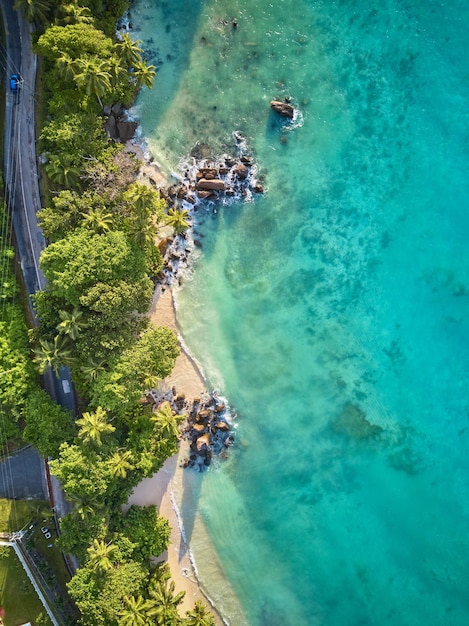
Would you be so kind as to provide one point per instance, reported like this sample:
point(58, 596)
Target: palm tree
point(33, 10)
point(166, 421)
point(72, 323)
point(63, 172)
point(67, 67)
point(93, 425)
point(84, 508)
point(144, 200)
point(98, 220)
point(117, 71)
point(119, 463)
point(199, 616)
point(92, 369)
point(94, 78)
point(135, 612)
point(99, 555)
point(52, 354)
point(129, 50)
point(177, 218)
point(142, 231)
point(165, 604)
point(72, 13)
point(144, 74)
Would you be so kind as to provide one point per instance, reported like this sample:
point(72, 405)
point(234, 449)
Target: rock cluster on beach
point(208, 431)
point(118, 126)
point(175, 252)
point(207, 428)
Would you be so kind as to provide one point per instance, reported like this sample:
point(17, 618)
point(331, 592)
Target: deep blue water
point(332, 311)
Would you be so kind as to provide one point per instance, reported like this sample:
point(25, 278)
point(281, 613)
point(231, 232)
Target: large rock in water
point(211, 185)
point(241, 171)
point(283, 108)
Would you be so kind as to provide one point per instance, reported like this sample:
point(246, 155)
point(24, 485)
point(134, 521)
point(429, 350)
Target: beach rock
point(241, 171)
point(203, 443)
point(126, 130)
point(199, 428)
point(111, 127)
point(163, 245)
point(258, 188)
point(223, 426)
point(211, 185)
point(285, 109)
point(179, 400)
point(117, 109)
point(203, 416)
point(205, 195)
point(219, 407)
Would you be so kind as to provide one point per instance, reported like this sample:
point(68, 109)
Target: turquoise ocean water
point(332, 311)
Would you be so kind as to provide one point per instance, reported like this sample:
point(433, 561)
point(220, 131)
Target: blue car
point(14, 80)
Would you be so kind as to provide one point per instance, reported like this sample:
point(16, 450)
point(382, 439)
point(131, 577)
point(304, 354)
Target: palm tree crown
point(199, 616)
point(93, 425)
point(72, 323)
point(53, 354)
point(119, 463)
point(166, 421)
point(99, 555)
point(129, 50)
point(178, 219)
point(98, 220)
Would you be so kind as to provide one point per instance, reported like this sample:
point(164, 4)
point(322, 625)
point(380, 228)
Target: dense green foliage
point(18, 379)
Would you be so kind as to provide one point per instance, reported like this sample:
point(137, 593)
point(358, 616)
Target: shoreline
point(162, 488)
point(166, 488)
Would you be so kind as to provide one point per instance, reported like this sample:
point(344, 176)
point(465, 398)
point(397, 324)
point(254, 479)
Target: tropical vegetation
point(100, 264)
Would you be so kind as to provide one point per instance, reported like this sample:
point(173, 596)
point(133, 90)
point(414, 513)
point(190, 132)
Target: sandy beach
point(161, 488)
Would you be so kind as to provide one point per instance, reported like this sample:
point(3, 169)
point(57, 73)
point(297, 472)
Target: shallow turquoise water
point(333, 311)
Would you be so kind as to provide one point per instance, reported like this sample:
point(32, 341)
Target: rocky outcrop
point(206, 185)
point(126, 130)
point(117, 125)
point(208, 431)
point(285, 109)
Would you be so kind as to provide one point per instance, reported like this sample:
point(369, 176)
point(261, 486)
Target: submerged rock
point(353, 422)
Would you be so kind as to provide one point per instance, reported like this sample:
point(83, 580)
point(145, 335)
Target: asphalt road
point(22, 193)
point(22, 476)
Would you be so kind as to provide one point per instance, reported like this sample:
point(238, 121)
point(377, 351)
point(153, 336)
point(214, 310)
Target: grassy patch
point(17, 595)
point(15, 514)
